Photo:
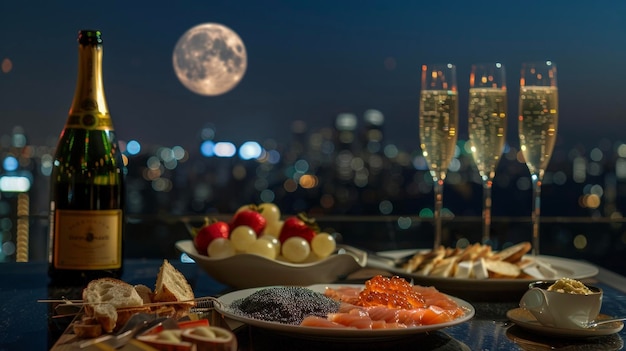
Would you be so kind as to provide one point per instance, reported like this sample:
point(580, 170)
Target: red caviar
point(393, 292)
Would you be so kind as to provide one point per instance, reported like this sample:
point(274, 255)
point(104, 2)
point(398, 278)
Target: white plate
point(247, 270)
point(564, 267)
point(526, 320)
point(228, 299)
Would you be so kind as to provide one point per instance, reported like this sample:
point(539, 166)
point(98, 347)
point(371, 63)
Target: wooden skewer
point(65, 315)
point(152, 304)
point(81, 302)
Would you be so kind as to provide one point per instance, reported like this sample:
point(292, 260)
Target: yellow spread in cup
point(570, 286)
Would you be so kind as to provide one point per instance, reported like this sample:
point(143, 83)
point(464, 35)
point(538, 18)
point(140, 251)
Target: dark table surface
point(26, 324)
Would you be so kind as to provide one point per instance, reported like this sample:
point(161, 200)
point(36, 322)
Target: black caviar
point(288, 305)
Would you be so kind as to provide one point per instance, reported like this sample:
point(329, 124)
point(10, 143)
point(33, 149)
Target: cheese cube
point(463, 269)
point(479, 269)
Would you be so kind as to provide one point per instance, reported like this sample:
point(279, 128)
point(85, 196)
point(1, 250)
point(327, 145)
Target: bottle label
point(89, 240)
point(89, 121)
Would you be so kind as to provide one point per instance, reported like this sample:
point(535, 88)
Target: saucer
point(524, 319)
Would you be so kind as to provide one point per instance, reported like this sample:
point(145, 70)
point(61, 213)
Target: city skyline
point(308, 61)
point(357, 176)
point(308, 172)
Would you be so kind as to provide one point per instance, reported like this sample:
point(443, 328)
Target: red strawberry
point(212, 229)
point(250, 217)
point(299, 225)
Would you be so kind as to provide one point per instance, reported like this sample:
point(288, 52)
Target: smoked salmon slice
point(387, 303)
point(320, 322)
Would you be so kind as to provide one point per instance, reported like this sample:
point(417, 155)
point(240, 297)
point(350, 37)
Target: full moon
point(210, 59)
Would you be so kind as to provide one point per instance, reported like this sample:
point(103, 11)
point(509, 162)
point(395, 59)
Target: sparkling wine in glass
point(438, 124)
point(487, 128)
point(538, 120)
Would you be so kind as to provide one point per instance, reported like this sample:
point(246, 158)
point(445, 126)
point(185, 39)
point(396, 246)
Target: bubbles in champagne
point(487, 128)
point(438, 129)
point(538, 119)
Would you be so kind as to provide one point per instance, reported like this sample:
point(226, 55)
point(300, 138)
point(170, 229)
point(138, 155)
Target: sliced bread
point(172, 286)
point(512, 253)
point(502, 269)
point(87, 327)
point(145, 293)
point(111, 302)
point(103, 297)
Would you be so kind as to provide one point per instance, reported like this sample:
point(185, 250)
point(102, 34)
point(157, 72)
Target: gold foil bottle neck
point(89, 108)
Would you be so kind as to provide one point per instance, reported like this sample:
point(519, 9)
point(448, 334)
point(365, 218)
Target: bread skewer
point(108, 302)
point(80, 303)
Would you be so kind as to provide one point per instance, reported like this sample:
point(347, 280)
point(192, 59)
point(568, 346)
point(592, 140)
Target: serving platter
point(225, 301)
point(247, 270)
point(486, 288)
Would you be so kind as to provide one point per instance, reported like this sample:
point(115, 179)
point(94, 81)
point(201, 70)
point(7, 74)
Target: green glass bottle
point(87, 181)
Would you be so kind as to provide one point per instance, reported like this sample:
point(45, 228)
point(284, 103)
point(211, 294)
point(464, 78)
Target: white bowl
point(248, 271)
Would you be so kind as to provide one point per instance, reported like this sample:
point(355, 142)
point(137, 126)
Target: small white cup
point(561, 309)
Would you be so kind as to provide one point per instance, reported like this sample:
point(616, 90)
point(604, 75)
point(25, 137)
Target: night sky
point(308, 60)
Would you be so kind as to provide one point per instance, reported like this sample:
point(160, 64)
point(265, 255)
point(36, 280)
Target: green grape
point(273, 228)
point(274, 240)
point(220, 248)
point(270, 211)
point(241, 237)
point(323, 244)
point(262, 248)
point(296, 249)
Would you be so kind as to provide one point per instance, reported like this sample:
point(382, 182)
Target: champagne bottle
point(87, 181)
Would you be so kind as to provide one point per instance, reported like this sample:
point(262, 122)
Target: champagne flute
point(538, 119)
point(438, 124)
point(487, 128)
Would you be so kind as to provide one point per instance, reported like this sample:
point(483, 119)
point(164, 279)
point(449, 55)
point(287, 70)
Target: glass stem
point(487, 211)
point(535, 213)
point(437, 213)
